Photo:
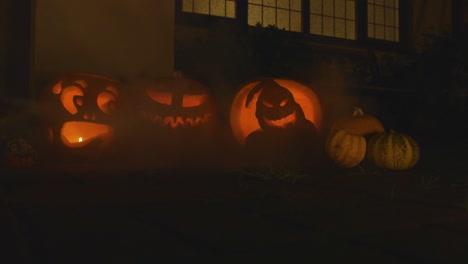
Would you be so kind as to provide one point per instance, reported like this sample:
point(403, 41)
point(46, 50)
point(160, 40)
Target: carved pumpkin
point(19, 153)
point(277, 121)
point(175, 116)
point(273, 103)
point(345, 149)
point(83, 108)
point(393, 151)
point(358, 124)
point(176, 103)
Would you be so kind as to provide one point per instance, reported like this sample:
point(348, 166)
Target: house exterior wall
point(119, 38)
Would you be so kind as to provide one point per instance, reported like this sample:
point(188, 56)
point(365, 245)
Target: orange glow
point(77, 134)
point(105, 101)
point(160, 97)
point(243, 120)
point(67, 98)
point(190, 100)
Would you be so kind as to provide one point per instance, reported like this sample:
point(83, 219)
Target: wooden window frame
point(362, 41)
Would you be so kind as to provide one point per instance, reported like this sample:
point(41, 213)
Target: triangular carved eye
point(191, 100)
point(267, 104)
point(69, 99)
point(160, 97)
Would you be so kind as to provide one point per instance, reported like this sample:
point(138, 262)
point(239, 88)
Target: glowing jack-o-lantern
point(176, 115)
point(176, 103)
point(272, 104)
point(84, 106)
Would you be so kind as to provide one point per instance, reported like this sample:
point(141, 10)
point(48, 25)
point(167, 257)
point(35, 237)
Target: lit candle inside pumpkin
point(76, 134)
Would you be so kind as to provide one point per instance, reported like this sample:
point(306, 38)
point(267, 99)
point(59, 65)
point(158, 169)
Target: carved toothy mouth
point(179, 121)
point(77, 134)
point(283, 122)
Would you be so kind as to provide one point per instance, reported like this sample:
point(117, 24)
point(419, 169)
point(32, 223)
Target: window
point(333, 18)
point(222, 8)
point(340, 19)
point(284, 14)
point(382, 19)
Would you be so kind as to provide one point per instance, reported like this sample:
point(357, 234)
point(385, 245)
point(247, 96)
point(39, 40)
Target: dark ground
point(79, 214)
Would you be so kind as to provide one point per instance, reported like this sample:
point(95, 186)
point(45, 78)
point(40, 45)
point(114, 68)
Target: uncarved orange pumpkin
point(358, 124)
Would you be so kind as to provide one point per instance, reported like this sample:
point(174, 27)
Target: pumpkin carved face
point(177, 103)
point(276, 107)
point(272, 104)
point(86, 105)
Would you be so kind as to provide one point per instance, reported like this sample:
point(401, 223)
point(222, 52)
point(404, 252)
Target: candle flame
point(80, 139)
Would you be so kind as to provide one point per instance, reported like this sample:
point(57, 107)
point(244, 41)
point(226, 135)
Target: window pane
point(269, 16)
point(370, 13)
point(340, 28)
point(350, 29)
point(279, 13)
point(390, 3)
point(231, 9)
point(370, 30)
point(328, 29)
point(187, 6)
point(296, 21)
point(255, 15)
point(201, 6)
point(385, 25)
point(379, 15)
point(331, 17)
point(379, 32)
point(340, 8)
point(397, 18)
point(296, 5)
point(258, 2)
point(283, 4)
point(271, 3)
point(316, 6)
point(328, 8)
point(283, 19)
point(316, 24)
point(350, 10)
point(217, 7)
point(389, 17)
point(389, 34)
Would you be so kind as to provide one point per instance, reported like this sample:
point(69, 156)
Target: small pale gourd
point(345, 149)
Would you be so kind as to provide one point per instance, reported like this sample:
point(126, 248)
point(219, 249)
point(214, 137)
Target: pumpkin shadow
point(161, 148)
point(292, 147)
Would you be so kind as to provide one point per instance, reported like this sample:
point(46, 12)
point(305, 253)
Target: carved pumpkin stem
point(358, 112)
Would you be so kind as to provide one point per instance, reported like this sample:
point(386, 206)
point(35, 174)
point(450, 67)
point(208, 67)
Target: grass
point(427, 182)
point(275, 173)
